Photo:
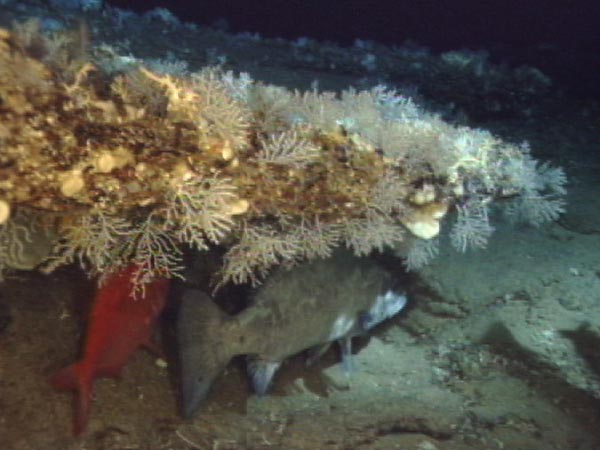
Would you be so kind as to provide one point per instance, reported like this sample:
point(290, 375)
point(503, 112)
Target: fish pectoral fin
point(315, 353)
point(261, 373)
point(345, 344)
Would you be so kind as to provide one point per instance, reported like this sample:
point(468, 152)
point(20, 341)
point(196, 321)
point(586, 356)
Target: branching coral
point(287, 148)
point(13, 238)
point(202, 209)
point(154, 252)
point(472, 227)
point(259, 249)
point(26, 240)
point(95, 240)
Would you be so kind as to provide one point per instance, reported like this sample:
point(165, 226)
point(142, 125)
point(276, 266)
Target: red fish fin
point(73, 378)
point(65, 379)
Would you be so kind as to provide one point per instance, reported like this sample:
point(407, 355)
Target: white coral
point(94, 240)
point(259, 249)
point(154, 252)
point(374, 232)
point(472, 228)
point(287, 148)
point(421, 253)
point(200, 210)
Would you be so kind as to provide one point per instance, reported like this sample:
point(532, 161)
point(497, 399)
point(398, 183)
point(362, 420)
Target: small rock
point(161, 363)
point(426, 445)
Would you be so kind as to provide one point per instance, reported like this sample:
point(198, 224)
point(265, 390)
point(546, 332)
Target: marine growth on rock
point(129, 166)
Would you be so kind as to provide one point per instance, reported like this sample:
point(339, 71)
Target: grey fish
point(305, 308)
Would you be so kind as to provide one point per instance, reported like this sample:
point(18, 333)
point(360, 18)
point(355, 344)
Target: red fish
point(118, 325)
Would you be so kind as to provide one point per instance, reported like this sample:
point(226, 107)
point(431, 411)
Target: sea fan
point(287, 148)
point(541, 190)
point(421, 253)
point(199, 210)
point(154, 252)
point(472, 228)
point(220, 112)
point(374, 232)
point(259, 249)
point(317, 240)
point(95, 240)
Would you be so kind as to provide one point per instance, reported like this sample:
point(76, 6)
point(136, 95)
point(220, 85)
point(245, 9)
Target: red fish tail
point(83, 406)
point(75, 377)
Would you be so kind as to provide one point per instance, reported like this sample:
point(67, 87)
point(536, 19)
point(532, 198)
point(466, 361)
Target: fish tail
point(203, 349)
point(74, 377)
point(83, 405)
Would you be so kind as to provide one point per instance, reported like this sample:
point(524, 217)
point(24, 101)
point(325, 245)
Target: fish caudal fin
point(73, 377)
point(203, 354)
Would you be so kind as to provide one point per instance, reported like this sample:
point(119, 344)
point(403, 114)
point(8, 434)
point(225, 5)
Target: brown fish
point(307, 307)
